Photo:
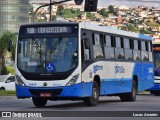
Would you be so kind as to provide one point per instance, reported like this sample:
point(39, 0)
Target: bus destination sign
point(48, 30)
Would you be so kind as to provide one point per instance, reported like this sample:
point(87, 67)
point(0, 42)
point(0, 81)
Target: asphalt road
point(148, 103)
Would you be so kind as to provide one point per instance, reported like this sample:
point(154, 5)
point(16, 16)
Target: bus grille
point(37, 92)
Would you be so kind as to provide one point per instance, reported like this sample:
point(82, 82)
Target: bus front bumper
point(77, 90)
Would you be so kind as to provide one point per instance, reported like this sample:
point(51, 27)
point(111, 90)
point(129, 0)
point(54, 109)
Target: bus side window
point(144, 53)
point(108, 47)
point(97, 47)
point(86, 49)
point(136, 51)
point(119, 51)
point(150, 51)
point(127, 49)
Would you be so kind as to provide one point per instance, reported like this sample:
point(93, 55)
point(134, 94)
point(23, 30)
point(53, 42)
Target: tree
point(54, 17)
point(60, 10)
point(143, 31)
point(4, 45)
point(103, 12)
point(111, 9)
point(153, 24)
point(90, 15)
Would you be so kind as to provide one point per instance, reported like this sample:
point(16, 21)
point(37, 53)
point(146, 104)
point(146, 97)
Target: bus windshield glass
point(47, 55)
point(156, 60)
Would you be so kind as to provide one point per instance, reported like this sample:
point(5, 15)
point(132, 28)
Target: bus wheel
point(132, 95)
point(156, 93)
point(93, 100)
point(152, 92)
point(39, 102)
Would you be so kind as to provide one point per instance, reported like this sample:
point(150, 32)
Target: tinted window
point(135, 44)
point(126, 43)
point(109, 52)
point(143, 46)
point(108, 41)
point(136, 55)
point(119, 53)
point(98, 53)
point(118, 42)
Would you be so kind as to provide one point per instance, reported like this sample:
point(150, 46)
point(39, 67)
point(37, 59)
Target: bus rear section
point(156, 55)
point(119, 62)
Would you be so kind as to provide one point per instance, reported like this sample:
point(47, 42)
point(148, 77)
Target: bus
point(81, 61)
point(156, 55)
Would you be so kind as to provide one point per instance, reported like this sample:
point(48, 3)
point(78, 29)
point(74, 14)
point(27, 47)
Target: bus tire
point(151, 92)
point(130, 97)
point(156, 93)
point(39, 102)
point(93, 100)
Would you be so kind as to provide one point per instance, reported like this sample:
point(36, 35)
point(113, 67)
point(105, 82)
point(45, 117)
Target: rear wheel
point(132, 95)
point(93, 100)
point(152, 92)
point(39, 102)
point(156, 93)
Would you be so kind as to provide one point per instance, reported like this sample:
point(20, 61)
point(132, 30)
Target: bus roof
point(94, 27)
point(111, 30)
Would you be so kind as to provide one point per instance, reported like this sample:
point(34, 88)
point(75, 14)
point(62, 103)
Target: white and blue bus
point(81, 61)
point(156, 55)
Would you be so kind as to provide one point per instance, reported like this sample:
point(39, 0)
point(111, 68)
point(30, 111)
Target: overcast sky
point(130, 3)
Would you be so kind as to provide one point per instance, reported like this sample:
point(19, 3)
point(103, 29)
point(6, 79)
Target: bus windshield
point(157, 63)
point(47, 55)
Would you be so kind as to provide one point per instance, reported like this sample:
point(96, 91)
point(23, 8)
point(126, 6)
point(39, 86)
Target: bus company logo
point(6, 114)
point(96, 68)
point(44, 84)
point(120, 69)
point(30, 30)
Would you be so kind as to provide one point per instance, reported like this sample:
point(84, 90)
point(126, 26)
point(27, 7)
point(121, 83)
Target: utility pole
point(50, 4)
point(50, 10)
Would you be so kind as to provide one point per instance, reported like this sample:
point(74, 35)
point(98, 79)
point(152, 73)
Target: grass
point(7, 93)
point(144, 92)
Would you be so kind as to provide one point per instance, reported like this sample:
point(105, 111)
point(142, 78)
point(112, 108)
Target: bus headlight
point(19, 81)
point(73, 80)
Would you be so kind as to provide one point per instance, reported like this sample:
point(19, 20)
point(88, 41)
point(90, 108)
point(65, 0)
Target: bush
point(7, 70)
point(4, 70)
point(10, 70)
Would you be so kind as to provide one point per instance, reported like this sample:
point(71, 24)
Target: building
point(13, 13)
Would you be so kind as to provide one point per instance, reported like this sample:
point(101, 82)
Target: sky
point(129, 3)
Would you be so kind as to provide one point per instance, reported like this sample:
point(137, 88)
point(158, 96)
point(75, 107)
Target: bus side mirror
point(9, 45)
point(86, 43)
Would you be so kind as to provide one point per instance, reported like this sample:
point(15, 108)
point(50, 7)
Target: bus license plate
point(45, 94)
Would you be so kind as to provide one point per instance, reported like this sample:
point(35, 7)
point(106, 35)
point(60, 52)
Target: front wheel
point(93, 100)
point(39, 102)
